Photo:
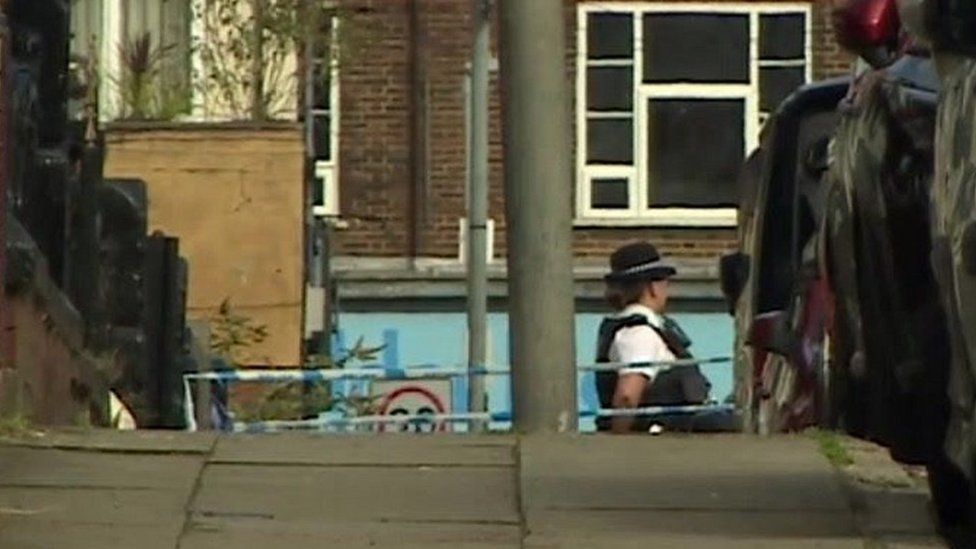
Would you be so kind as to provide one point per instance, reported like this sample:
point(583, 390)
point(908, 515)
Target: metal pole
point(477, 259)
point(325, 345)
point(538, 184)
point(311, 233)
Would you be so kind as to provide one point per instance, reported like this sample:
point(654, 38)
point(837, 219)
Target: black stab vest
point(674, 387)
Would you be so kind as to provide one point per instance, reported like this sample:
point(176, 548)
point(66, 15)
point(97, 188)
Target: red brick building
point(402, 122)
point(668, 98)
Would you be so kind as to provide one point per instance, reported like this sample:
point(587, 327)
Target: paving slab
point(648, 524)
point(909, 542)
point(337, 494)
point(31, 534)
point(257, 534)
point(394, 450)
point(139, 507)
point(106, 440)
point(52, 498)
point(37, 467)
point(737, 473)
point(896, 512)
point(672, 541)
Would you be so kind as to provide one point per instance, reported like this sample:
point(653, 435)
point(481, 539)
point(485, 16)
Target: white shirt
point(640, 343)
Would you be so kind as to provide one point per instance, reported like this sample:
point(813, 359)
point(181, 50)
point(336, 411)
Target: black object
point(145, 283)
point(677, 386)
point(733, 275)
point(636, 262)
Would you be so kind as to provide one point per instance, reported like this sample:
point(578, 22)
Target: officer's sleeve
point(641, 344)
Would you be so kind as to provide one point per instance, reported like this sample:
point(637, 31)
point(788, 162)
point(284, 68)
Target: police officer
point(639, 332)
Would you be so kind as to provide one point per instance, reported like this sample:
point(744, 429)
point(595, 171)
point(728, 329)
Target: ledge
point(133, 126)
point(664, 218)
point(432, 279)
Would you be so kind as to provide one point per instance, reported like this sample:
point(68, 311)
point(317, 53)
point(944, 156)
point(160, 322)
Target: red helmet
point(869, 28)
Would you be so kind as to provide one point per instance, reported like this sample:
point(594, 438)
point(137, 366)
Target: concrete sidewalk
point(198, 491)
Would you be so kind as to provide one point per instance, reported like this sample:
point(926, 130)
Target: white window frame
point(640, 213)
point(327, 171)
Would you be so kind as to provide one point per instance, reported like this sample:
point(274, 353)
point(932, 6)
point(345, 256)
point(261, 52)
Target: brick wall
point(377, 136)
point(234, 197)
point(828, 58)
point(46, 374)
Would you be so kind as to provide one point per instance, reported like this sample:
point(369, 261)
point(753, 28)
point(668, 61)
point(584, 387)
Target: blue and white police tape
point(464, 417)
point(275, 375)
point(424, 371)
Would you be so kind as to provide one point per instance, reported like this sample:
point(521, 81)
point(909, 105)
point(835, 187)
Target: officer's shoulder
point(631, 321)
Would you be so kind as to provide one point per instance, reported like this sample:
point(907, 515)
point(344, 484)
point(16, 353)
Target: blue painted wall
point(441, 338)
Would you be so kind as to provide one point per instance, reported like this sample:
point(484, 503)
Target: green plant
point(252, 52)
point(146, 91)
point(832, 447)
point(297, 400)
point(232, 334)
point(15, 426)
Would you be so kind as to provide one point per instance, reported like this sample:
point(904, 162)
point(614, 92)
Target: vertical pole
point(7, 342)
point(325, 345)
point(538, 185)
point(477, 257)
point(312, 232)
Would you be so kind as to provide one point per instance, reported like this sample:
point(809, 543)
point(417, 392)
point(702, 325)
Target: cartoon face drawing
point(413, 400)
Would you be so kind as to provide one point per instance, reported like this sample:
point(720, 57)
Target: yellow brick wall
point(234, 197)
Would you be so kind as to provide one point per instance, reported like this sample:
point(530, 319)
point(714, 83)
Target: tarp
point(891, 341)
point(953, 211)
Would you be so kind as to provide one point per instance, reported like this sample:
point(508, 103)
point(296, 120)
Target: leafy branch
point(298, 400)
point(253, 52)
point(232, 334)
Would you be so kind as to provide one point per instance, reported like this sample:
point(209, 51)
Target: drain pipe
point(416, 214)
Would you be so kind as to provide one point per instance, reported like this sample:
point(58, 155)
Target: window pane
point(609, 194)
point(610, 141)
point(610, 36)
point(782, 36)
point(610, 89)
point(318, 193)
point(695, 151)
point(322, 85)
point(696, 47)
point(777, 83)
point(322, 136)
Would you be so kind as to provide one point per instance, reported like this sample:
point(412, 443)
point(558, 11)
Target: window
point(325, 123)
point(670, 101)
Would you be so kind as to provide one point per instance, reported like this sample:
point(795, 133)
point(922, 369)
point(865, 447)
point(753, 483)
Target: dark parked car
point(863, 342)
point(773, 283)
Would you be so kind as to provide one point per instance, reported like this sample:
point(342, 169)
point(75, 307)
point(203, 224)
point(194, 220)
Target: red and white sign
point(413, 398)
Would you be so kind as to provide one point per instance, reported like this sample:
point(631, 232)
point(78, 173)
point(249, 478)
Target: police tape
point(273, 375)
point(493, 417)
point(277, 375)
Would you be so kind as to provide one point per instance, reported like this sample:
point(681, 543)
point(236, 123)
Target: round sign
point(413, 400)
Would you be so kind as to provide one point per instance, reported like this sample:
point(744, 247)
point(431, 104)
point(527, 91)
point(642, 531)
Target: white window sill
point(333, 218)
point(662, 218)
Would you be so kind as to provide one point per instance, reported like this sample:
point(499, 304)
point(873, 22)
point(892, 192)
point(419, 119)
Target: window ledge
point(670, 217)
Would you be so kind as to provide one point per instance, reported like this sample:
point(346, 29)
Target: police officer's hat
point(639, 261)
